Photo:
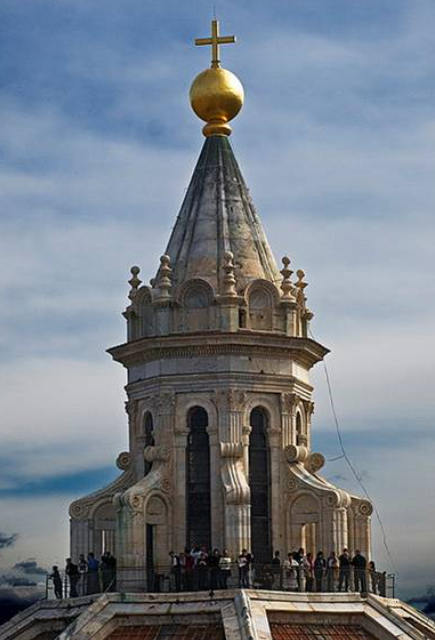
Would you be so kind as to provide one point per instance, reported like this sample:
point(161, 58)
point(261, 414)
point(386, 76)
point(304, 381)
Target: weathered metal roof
point(218, 215)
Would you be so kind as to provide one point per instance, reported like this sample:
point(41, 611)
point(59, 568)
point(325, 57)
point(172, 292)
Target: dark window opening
point(198, 480)
point(259, 482)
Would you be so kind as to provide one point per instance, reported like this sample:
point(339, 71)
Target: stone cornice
point(210, 343)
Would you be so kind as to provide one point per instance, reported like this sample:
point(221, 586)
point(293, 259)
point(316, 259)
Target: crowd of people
point(197, 569)
point(88, 576)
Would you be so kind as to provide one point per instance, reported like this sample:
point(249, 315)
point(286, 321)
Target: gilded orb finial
point(216, 94)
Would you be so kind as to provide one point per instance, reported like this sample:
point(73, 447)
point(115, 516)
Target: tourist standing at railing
point(301, 558)
point(309, 572)
point(344, 570)
point(244, 563)
point(332, 571)
point(359, 571)
point(175, 572)
point(291, 567)
point(92, 575)
point(83, 569)
point(202, 571)
point(189, 565)
point(72, 571)
point(373, 577)
point(57, 582)
point(213, 563)
point(224, 569)
point(108, 571)
point(276, 570)
point(319, 570)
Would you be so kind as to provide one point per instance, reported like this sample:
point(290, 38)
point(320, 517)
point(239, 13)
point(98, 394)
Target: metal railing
point(166, 579)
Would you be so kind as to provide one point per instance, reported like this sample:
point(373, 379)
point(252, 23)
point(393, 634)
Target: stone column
point(179, 484)
point(362, 518)
point(278, 518)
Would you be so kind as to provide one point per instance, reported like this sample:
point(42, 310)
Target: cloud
point(7, 540)
point(336, 142)
point(16, 599)
point(30, 567)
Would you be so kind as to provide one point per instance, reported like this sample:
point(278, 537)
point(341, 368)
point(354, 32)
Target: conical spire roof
point(217, 216)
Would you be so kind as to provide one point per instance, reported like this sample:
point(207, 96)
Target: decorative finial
point(216, 94)
point(215, 41)
point(164, 280)
point(286, 284)
point(300, 283)
point(134, 282)
point(229, 280)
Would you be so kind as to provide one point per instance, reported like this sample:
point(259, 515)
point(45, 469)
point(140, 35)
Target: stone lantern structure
point(218, 358)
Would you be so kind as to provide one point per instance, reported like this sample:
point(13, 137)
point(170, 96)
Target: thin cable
point(349, 462)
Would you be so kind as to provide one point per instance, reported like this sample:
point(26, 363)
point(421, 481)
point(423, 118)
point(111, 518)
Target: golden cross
point(215, 40)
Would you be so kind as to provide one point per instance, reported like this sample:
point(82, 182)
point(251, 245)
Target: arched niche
point(156, 531)
point(198, 494)
point(196, 300)
point(261, 297)
point(144, 323)
point(260, 485)
point(148, 430)
point(104, 522)
point(305, 523)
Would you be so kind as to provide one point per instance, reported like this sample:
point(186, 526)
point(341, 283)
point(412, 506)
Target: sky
point(97, 145)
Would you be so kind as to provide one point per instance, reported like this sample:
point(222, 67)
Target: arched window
point(197, 309)
point(149, 438)
point(260, 310)
point(259, 482)
point(198, 529)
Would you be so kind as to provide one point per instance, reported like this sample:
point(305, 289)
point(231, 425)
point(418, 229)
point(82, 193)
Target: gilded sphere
point(216, 96)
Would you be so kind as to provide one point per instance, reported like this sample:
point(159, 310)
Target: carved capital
point(131, 408)
point(167, 401)
point(231, 399)
point(289, 402)
point(79, 511)
point(309, 407)
point(365, 508)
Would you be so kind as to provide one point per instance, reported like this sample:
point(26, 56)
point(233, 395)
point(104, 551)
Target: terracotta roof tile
point(283, 631)
point(169, 632)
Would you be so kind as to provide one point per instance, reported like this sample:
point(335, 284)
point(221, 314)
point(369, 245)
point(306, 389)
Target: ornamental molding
point(303, 350)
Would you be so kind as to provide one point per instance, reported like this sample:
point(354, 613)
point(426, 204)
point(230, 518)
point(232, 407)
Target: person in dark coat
point(213, 563)
point(319, 570)
point(92, 574)
point(359, 564)
point(344, 570)
point(72, 571)
point(57, 582)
